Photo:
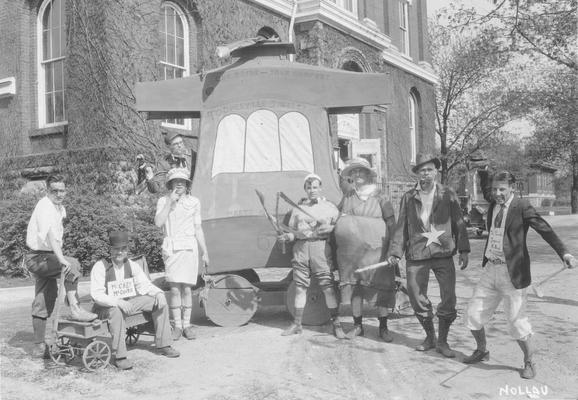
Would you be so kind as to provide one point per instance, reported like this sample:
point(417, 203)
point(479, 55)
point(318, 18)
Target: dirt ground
point(254, 362)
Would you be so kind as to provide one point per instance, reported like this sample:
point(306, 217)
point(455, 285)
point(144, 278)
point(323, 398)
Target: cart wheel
point(316, 311)
point(62, 351)
point(231, 301)
point(132, 335)
point(96, 355)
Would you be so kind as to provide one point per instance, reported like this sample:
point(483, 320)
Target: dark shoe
point(189, 333)
point(176, 333)
point(356, 331)
point(40, 350)
point(428, 344)
point(169, 352)
point(385, 335)
point(338, 330)
point(294, 329)
point(81, 315)
point(122, 364)
point(444, 349)
point(477, 356)
point(529, 370)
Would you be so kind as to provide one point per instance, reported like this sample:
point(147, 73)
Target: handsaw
point(294, 205)
point(272, 220)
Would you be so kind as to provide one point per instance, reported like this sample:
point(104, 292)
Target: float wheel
point(230, 300)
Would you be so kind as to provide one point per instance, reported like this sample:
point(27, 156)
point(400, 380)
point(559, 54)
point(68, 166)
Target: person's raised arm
point(164, 206)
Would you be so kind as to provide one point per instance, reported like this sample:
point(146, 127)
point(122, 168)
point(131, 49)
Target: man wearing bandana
point(430, 230)
point(179, 157)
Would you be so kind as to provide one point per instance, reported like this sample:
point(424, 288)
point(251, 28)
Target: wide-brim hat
point(424, 158)
point(170, 136)
point(177, 173)
point(358, 163)
point(118, 239)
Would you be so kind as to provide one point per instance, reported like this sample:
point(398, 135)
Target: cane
point(537, 289)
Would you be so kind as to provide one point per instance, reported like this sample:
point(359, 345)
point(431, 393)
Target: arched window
point(413, 125)
point(51, 58)
point(174, 62)
point(263, 143)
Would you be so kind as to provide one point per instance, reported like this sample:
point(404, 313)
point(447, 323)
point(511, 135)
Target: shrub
point(89, 219)
point(546, 202)
point(14, 216)
point(561, 203)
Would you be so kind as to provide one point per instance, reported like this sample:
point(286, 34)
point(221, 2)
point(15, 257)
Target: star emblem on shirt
point(432, 236)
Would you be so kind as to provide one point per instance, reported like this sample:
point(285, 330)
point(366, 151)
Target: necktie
point(499, 217)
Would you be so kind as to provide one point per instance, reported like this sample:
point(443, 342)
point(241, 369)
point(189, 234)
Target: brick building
point(68, 70)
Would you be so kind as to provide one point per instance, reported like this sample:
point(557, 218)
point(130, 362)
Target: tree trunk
point(443, 158)
point(574, 189)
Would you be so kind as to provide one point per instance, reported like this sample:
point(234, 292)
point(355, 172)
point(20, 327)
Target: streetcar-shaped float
point(264, 125)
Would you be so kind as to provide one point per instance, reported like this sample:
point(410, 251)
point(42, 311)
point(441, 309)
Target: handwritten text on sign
point(121, 289)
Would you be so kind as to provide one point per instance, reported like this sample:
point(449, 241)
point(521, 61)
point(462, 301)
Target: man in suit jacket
point(506, 264)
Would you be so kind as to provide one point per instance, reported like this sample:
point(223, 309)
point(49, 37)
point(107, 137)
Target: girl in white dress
point(179, 214)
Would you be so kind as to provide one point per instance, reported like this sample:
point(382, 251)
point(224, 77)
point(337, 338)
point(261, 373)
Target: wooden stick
point(371, 267)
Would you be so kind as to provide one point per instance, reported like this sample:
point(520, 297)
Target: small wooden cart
point(82, 339)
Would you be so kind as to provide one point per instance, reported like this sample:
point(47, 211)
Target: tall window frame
point(404, 26)
point(174, 62)
point(51, 58)
point(413, 126)
point(347, 5)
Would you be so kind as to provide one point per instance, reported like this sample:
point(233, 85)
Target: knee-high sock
point(175, 306)
point(186, 316)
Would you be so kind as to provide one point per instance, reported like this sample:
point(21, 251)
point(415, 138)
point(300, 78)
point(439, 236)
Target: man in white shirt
point(120, 289)
point(45, 261)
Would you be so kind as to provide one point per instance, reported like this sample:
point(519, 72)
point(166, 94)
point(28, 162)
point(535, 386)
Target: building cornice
point(331, 14)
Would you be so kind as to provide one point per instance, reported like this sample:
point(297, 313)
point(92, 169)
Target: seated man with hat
point(120, 288)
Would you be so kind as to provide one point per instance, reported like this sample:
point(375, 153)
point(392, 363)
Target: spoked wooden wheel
point(96, 355)
point(62, 351)
point(231, 300)
point(132, 335)
point(315, 311)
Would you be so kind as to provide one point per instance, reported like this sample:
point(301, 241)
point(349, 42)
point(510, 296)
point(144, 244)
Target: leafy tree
point(472, 106)
point(537, 82)
point(554, 115)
